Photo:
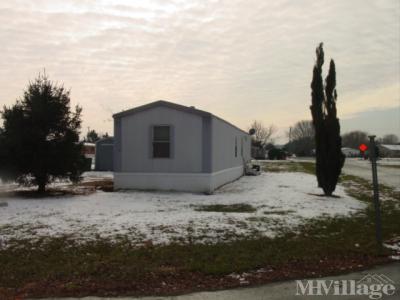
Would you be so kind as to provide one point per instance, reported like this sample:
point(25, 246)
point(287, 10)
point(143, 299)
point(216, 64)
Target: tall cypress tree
point(329, 156)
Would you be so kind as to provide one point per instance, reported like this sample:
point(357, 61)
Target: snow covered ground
point(282, 200)
point(95, 175)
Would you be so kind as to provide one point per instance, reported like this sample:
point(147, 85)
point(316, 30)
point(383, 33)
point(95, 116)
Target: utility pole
point(378, 223)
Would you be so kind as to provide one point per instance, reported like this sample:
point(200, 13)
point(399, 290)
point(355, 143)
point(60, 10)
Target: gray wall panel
point(224, 137)
point(136, 141)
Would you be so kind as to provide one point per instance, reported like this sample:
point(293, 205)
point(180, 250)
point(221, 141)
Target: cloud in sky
point(363, 120)
point(241, 60)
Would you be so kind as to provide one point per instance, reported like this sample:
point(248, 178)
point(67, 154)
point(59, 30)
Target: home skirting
point(187, 182)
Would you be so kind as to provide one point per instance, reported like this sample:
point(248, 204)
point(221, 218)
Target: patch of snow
point(97, 175)
point(391, 147)
point(393, 247)
point(162, 217)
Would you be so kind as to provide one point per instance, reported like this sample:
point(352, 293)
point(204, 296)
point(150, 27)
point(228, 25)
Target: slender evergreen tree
point(40, 137)
point(329, 156)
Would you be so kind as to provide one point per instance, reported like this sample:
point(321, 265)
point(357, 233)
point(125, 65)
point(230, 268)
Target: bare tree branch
point(390, 139)
point(354, 139)
point(263, 135)
point(300, 130)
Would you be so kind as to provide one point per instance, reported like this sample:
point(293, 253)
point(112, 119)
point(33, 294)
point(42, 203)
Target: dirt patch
point(79, 189)
point(105, 185)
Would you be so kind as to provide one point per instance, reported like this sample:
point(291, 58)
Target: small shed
point(104, 154)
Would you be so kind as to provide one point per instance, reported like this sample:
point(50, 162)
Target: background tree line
point(301, 139)
point(92, 136)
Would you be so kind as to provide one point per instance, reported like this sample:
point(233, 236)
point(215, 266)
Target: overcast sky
point(241, 60)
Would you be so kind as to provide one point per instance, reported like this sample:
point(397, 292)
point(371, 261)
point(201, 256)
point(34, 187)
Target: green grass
point(228, 208)
point(289, 166)
point(361, 189)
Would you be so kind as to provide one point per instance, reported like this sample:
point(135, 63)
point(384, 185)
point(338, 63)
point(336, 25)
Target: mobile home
point(167, 146)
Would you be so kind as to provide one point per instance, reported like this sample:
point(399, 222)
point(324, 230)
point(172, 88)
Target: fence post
point(378, 223)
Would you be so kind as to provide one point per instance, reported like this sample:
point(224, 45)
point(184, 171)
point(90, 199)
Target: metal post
point(378, 225)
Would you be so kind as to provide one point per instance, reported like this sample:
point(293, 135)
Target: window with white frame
point(161, 141)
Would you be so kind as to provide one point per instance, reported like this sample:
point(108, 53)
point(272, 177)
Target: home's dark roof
point(391, 147)
point(161, 103)
point(171, 105)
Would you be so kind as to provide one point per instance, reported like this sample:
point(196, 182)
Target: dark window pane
point(161, 150)
point(235, 146)
point(161, 133)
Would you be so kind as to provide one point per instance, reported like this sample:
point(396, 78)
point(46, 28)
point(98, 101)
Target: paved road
point(388, 170)
point(282, 290)
point(388, 174)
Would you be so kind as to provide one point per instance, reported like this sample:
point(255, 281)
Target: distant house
point(350, 152)
point(104, 154)
point(166, 146)
point(389, 150)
